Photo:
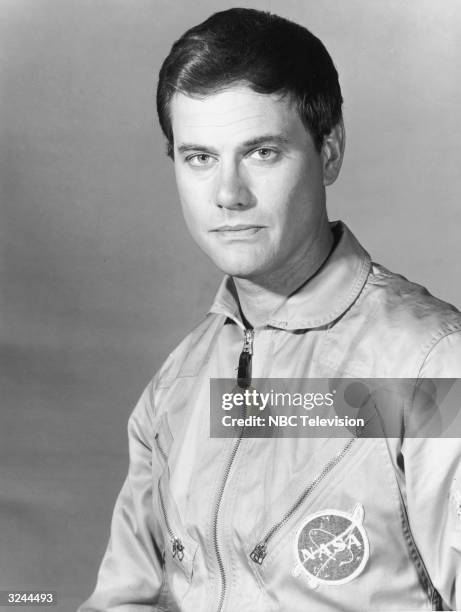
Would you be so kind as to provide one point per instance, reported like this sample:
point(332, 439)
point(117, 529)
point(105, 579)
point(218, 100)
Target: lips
point(237, 233)
point(236, 228)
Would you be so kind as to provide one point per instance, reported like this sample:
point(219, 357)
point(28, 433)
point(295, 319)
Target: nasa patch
point(331, 547)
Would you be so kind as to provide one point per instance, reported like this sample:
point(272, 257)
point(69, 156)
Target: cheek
point(191, 217)
point(288, 202)
point(194, 195)
point(195, 216)
point(190, 200)
point(305, 195)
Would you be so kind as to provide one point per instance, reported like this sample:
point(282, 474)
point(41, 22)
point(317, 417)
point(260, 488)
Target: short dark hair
point(264, 51)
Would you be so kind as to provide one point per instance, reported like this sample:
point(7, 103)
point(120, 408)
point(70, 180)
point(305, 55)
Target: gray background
point(99, 279)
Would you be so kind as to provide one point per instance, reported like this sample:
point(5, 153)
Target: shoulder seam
point(435, 343)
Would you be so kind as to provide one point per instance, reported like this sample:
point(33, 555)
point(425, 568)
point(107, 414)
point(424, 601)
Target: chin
point(233, 267)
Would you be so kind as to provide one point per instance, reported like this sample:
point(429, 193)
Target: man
point(251, 107)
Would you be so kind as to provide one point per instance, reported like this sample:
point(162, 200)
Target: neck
point(259, 298)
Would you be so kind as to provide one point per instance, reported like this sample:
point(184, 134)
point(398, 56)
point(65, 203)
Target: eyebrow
point(247, 144)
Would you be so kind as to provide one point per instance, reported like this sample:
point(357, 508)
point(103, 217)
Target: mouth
point(237, 232)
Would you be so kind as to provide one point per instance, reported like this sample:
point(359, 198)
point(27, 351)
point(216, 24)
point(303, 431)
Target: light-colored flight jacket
point(208, 524)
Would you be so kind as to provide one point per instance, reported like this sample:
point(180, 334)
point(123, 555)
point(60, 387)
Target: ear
point(332, 153)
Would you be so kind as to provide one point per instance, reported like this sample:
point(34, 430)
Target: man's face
point(250, 181)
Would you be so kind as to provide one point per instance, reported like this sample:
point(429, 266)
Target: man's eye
point(199, 159)
point(264, 154)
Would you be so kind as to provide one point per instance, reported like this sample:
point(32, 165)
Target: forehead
point(232, 116)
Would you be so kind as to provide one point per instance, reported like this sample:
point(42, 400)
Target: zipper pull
point(178, 548)
point(259, 552)
point(244, 367)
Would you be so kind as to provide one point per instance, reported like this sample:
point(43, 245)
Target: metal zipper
point(245, 359)
point(177, 546)
point(243, 380)
point(260, 550)
point(215, 524)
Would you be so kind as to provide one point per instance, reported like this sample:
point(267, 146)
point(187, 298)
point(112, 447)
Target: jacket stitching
point(415, 556)
point(354, 293)
point(432, 593)
point(443, 334)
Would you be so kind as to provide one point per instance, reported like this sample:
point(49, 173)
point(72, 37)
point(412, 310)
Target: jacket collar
point(323, 298)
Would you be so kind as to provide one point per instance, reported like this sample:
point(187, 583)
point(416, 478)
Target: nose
point(232, 190)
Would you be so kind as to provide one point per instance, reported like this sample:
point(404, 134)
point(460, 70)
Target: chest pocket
point(334, 545)
point(179, 549)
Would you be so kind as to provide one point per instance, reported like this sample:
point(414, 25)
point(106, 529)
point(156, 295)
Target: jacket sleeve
point(433, 486)
point(130, 575)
